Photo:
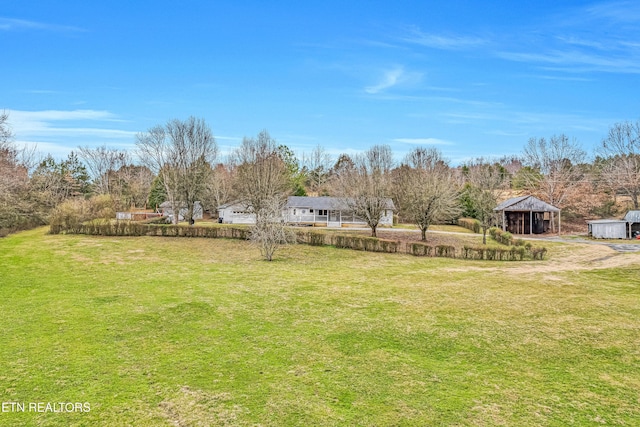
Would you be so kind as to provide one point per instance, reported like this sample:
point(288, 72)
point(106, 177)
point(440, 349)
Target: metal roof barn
point(525, 214)
point(632, 216)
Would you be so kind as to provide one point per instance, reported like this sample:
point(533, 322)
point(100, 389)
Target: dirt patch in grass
point(189, 407)
point(562, 257)
point(578, 257)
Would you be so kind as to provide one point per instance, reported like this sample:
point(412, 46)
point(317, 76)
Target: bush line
point(371, 244)
point(470, 224)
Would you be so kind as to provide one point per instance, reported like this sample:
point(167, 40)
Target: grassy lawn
point(200, 332)
point(436, 227)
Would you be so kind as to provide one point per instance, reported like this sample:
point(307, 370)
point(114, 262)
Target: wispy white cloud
point(61, 130)
point(581, 42)
point(228, 138)
point(469, 116)
point(578, 61)
point(602, 37)
point(438, 41)
point(47, 122)
point(395, 77)
point(616, 11)
point(61, 115)
point(12, 24)
point(389, 79)
point(423, 141)
point(500, 132)
point(41, 92)
point(509, 122)
point(560, 78)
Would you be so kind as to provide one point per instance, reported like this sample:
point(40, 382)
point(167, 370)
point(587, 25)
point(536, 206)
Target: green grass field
point(158, 331)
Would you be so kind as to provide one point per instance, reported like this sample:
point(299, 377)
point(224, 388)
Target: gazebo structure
point(526, 214)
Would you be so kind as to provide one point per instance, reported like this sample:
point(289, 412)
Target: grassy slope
point(161, 331)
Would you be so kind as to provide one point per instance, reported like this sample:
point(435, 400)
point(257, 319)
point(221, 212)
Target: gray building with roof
point(302, 210)
point(625, 228)
point(526, 215)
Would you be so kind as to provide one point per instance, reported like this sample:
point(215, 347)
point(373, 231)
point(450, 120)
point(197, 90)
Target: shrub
point(492, 232)
point(310, 238)
point(502, 237)
point(419, 249)
point(371, 244)
point(68, 216)
point(101, 207)
point(470, 224)
point(446, 251)
point(470, 252)
point(518, 242)
point(514, 253)
point(316, 239)
point(72, 213)
point(538, 253)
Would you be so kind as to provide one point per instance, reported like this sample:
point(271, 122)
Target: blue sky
point(474, 78)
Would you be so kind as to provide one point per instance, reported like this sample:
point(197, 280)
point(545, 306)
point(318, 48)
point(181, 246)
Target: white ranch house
point(167, 211)
point(307, 211)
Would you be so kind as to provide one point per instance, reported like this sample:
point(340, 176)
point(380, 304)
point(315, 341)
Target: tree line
point(178, 162)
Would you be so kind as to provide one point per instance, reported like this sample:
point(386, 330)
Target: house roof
point(181, 204)
point(632, 216)
point(525, 203)
point(607, 221)
point(234, 203)
point(329, 203)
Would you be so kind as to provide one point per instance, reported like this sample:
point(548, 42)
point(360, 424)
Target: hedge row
point(422, 249)
point(506, 238)
point(371, 244)
point(513, 253)
point(470, 224)
point(125, 228)
point(360, 243)
point(502, 237)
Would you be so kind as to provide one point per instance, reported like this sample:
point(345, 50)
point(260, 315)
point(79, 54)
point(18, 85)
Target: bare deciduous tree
point(219, 186)
point(317, 166)
point(6, 135)
point(181, 153)
point(101, 162)
point(130, 185)
point(426, 190)
point(14, 181)
point(558, 161)
point(270, 231)
point(485, 184)
point(261, 174)
point(55, 181)
point(621, 151)
point(365, 185)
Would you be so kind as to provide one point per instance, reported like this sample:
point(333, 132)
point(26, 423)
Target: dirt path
point(569, 254)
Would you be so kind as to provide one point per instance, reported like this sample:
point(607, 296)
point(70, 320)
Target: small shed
point(526, 214)
point(608, 229)
point(615, 228)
